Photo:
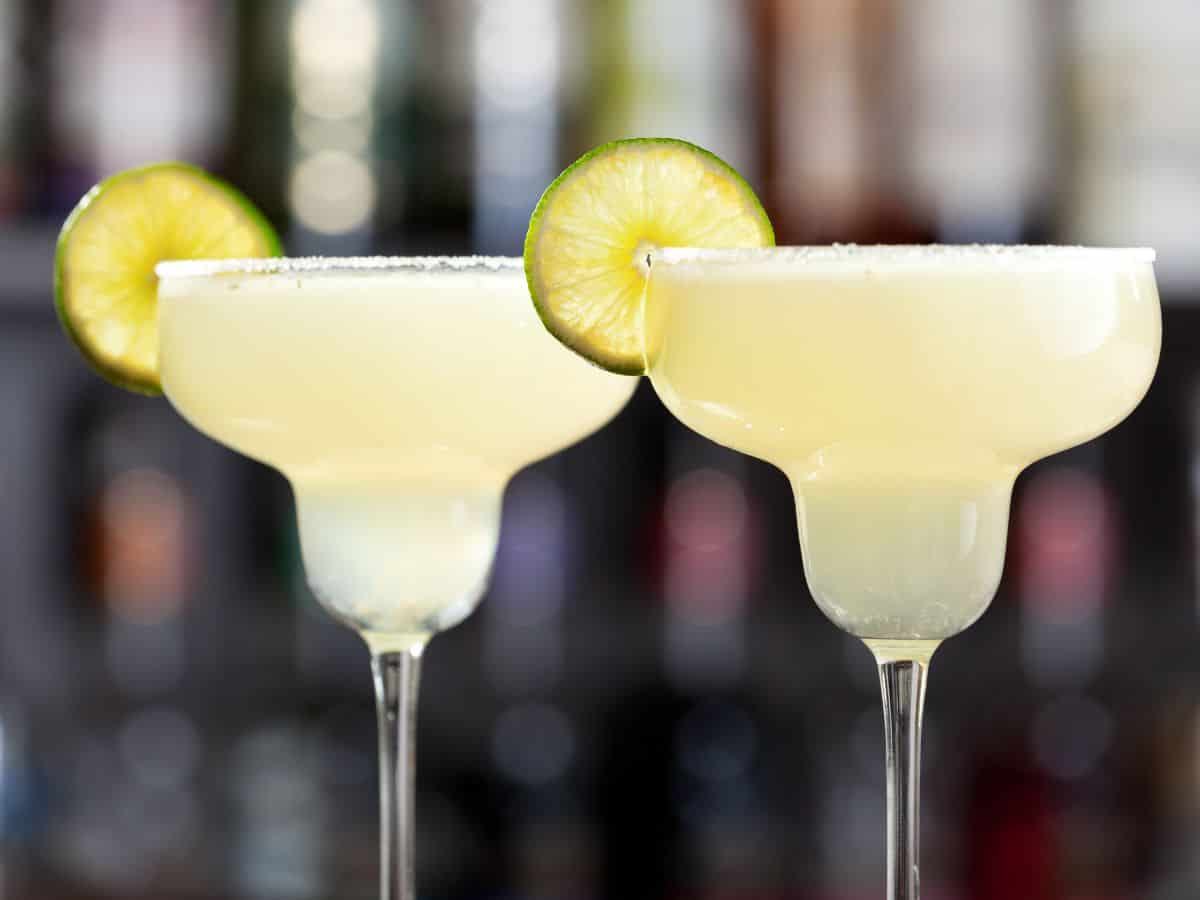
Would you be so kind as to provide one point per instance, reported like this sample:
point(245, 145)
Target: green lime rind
point(112, 369)
point(597, 351)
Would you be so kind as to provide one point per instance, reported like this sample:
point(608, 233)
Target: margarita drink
point(902, 390)
point(398, 397)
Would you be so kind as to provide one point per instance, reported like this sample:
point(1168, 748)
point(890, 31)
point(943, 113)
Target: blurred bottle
point(21, 75)
point(262, 106)
point(532, 583)
point(1134, 141)
point(24, 807)
point(279, 833)
point(134, 83)
point(421, 130)
point(550, 845)
point(335, 59)
point(1172, 745)
point(971, 105)
point(830, 121)
point(1192, 549)
point(684, 794)
point(1012, 848)
point(139, 544)
point(520, 55)
point(1067, 558)
point(708, 558)
point(1168, 764)
point(674, 68)
point(327, 118)
point(126, 808)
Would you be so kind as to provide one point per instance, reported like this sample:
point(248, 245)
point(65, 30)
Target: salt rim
point(334, 265)
point(906, 255)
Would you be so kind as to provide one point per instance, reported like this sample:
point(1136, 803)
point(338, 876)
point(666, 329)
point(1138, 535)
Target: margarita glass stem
point(903, 684)
point(396, 679)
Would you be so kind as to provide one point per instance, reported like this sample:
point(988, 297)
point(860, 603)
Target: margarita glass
point(398, 396)
point(902, 389)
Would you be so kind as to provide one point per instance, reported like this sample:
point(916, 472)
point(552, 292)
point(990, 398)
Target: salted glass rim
point(841, 256)
point(334, 265)
point(856, 257)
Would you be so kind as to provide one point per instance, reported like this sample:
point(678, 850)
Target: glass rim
point(905, 256)
point(334, 265)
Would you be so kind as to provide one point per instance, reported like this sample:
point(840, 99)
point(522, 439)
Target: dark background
point(647, 704)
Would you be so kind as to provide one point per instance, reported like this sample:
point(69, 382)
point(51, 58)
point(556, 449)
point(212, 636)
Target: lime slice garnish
point(105, 289)
point(586, 253)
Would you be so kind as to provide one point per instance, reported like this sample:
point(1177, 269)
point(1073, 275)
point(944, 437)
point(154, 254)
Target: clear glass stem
point(397, 675)
point(903, 684)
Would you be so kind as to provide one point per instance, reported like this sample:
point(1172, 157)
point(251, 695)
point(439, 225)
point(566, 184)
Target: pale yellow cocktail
point(397, 396)
point(902, 389)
